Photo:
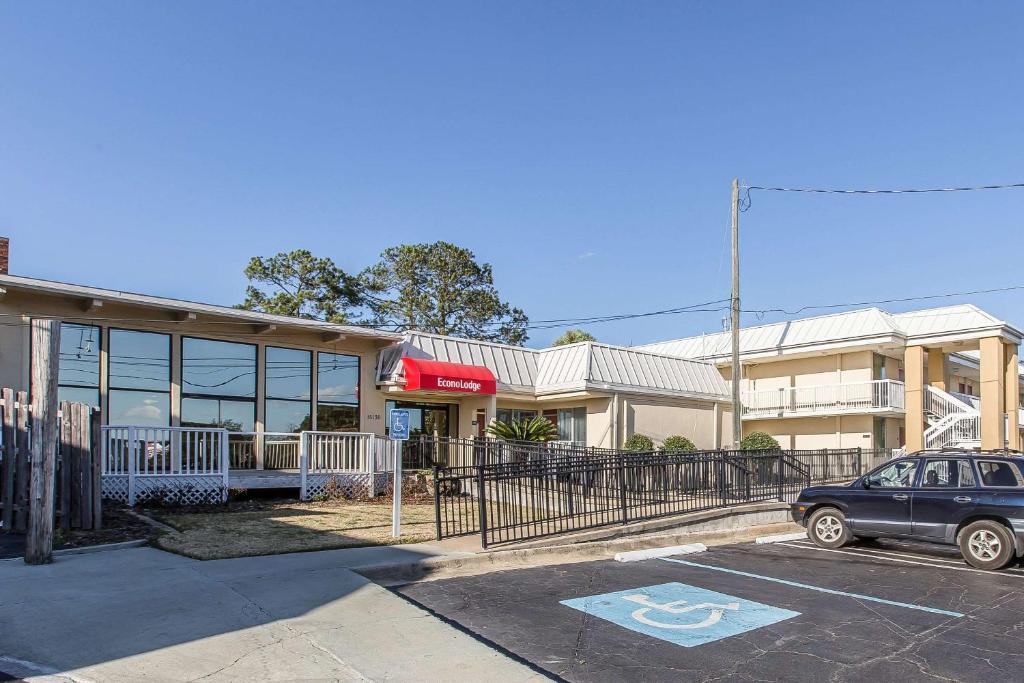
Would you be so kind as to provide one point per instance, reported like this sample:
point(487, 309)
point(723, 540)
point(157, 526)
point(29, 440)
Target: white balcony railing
point(825, 399)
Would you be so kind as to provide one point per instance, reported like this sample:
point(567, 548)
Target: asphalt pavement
point(792, 611)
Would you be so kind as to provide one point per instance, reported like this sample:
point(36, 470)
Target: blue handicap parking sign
point(680, 614)
point(398, 424)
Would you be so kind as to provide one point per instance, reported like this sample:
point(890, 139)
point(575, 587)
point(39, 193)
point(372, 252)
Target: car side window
point(947, 473)
point(898, 475)
point(996, 473)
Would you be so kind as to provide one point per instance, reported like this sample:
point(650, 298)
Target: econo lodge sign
point(434, 375)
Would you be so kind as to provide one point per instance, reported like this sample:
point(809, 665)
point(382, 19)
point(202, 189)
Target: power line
point(817, 190)
point(925, 297)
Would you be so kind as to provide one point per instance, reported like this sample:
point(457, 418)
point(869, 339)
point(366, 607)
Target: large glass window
point(509, 415)
point(572, 425)
point(78, 376)
point(139, 378)
point(288, 380)
point(337, 396)
point(218, 384)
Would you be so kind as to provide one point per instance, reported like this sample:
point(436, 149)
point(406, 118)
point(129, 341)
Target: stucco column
point(1012, 399)
point(937, 368)
point(913, 364)
point(993, 393)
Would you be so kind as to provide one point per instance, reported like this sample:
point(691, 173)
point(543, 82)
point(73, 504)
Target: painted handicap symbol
point(679, 613)
point(714, 615)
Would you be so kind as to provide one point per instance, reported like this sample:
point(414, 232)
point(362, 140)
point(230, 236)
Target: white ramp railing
point(164, 452)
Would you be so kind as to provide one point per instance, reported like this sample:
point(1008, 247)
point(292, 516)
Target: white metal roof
point(850, 328)
point(514, 367)
point(113, 295)
point(573, 367)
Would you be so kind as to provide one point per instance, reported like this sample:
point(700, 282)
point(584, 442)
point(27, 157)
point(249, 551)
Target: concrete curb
point(441, 566)
point(637, 555)
point(102, 548)
point(780, 538)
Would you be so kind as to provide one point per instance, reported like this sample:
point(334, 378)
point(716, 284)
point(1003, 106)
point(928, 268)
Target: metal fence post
point(860, 461)
point(622, 488)
point(437, 504)
point(720, 477)
point(483, 505)
point(780, 475)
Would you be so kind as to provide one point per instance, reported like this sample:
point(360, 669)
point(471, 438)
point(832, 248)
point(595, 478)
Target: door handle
point(963, 499)
point(899, 496)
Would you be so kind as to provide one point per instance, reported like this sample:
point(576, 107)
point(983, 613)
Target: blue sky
point(585, 149)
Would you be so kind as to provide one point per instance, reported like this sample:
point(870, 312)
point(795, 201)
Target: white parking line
point(894, 559)
point(858, 550)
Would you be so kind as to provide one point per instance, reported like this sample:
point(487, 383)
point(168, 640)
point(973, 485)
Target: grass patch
point(289, 527)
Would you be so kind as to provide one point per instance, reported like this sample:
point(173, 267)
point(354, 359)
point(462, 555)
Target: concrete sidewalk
point(143, 614)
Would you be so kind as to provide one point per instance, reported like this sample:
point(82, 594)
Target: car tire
point(827, 528)
point(986, 545)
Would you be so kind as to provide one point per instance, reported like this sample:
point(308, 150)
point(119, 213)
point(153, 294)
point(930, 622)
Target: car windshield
point(899, 474)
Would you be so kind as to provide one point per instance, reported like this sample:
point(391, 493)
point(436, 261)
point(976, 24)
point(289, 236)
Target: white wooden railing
point(825, 399)
point(164, 451)
point(264, 450)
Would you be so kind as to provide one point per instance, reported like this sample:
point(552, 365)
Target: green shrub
point(639, 442)
point(536, 429)
point(759, 441)
point(677, 444)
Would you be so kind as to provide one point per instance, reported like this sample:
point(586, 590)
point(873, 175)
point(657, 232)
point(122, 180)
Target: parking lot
point(885, 611)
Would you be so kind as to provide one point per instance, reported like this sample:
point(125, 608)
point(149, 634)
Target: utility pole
point(45, 354)
point(737, 408)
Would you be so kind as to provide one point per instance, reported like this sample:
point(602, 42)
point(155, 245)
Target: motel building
point(214, 397)
point(219, 397)
point(934, 378)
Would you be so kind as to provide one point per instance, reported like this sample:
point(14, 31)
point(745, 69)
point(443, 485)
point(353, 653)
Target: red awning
point(435, 375)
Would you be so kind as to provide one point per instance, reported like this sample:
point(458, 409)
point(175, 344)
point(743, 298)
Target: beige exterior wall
point(845, 431)
point(838, 368)
point(660, 419)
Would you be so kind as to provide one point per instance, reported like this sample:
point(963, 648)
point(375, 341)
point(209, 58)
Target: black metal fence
point(426, 452)
point(515, 492)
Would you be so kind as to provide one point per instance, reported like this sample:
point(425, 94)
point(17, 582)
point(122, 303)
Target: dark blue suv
point(970, 499)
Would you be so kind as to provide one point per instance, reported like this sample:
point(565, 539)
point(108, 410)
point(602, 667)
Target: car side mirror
point(865, 482)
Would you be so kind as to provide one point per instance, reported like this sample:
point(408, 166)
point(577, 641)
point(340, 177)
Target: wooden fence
point(78, 500)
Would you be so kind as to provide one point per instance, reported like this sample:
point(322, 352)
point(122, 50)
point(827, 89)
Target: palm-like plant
point(534, 429)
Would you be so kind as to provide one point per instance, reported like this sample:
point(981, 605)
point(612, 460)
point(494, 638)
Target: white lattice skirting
point(177, 490)
point(347, 485)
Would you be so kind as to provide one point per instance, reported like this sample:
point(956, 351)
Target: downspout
point(615, 420)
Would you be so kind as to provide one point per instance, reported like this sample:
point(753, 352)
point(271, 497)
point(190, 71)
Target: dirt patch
point(260, 527)
point(118, 526)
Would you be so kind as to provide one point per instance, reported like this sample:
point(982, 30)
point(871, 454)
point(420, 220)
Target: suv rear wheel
point(986, 545)
point(827, 528)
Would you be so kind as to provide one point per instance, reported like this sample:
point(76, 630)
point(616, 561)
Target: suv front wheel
point(986, 545)
point(827, 528)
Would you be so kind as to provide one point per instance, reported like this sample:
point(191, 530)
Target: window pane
point(288, 373)
point(218, 368)
point(337, 379)
point(237, 416)
point(287, 416)
point(330, 418)
point(998, 474)
point(899, 474)
point(79, 355)
point(90, 397)
point(140, 360)
point(140, 408)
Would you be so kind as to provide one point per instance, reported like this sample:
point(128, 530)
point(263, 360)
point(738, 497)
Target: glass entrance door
point(425, 419)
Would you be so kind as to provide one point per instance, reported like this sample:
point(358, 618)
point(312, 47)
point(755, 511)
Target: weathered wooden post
point(45, 355)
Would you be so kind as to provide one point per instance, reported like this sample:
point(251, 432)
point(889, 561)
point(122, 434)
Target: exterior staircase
point(952, 420)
